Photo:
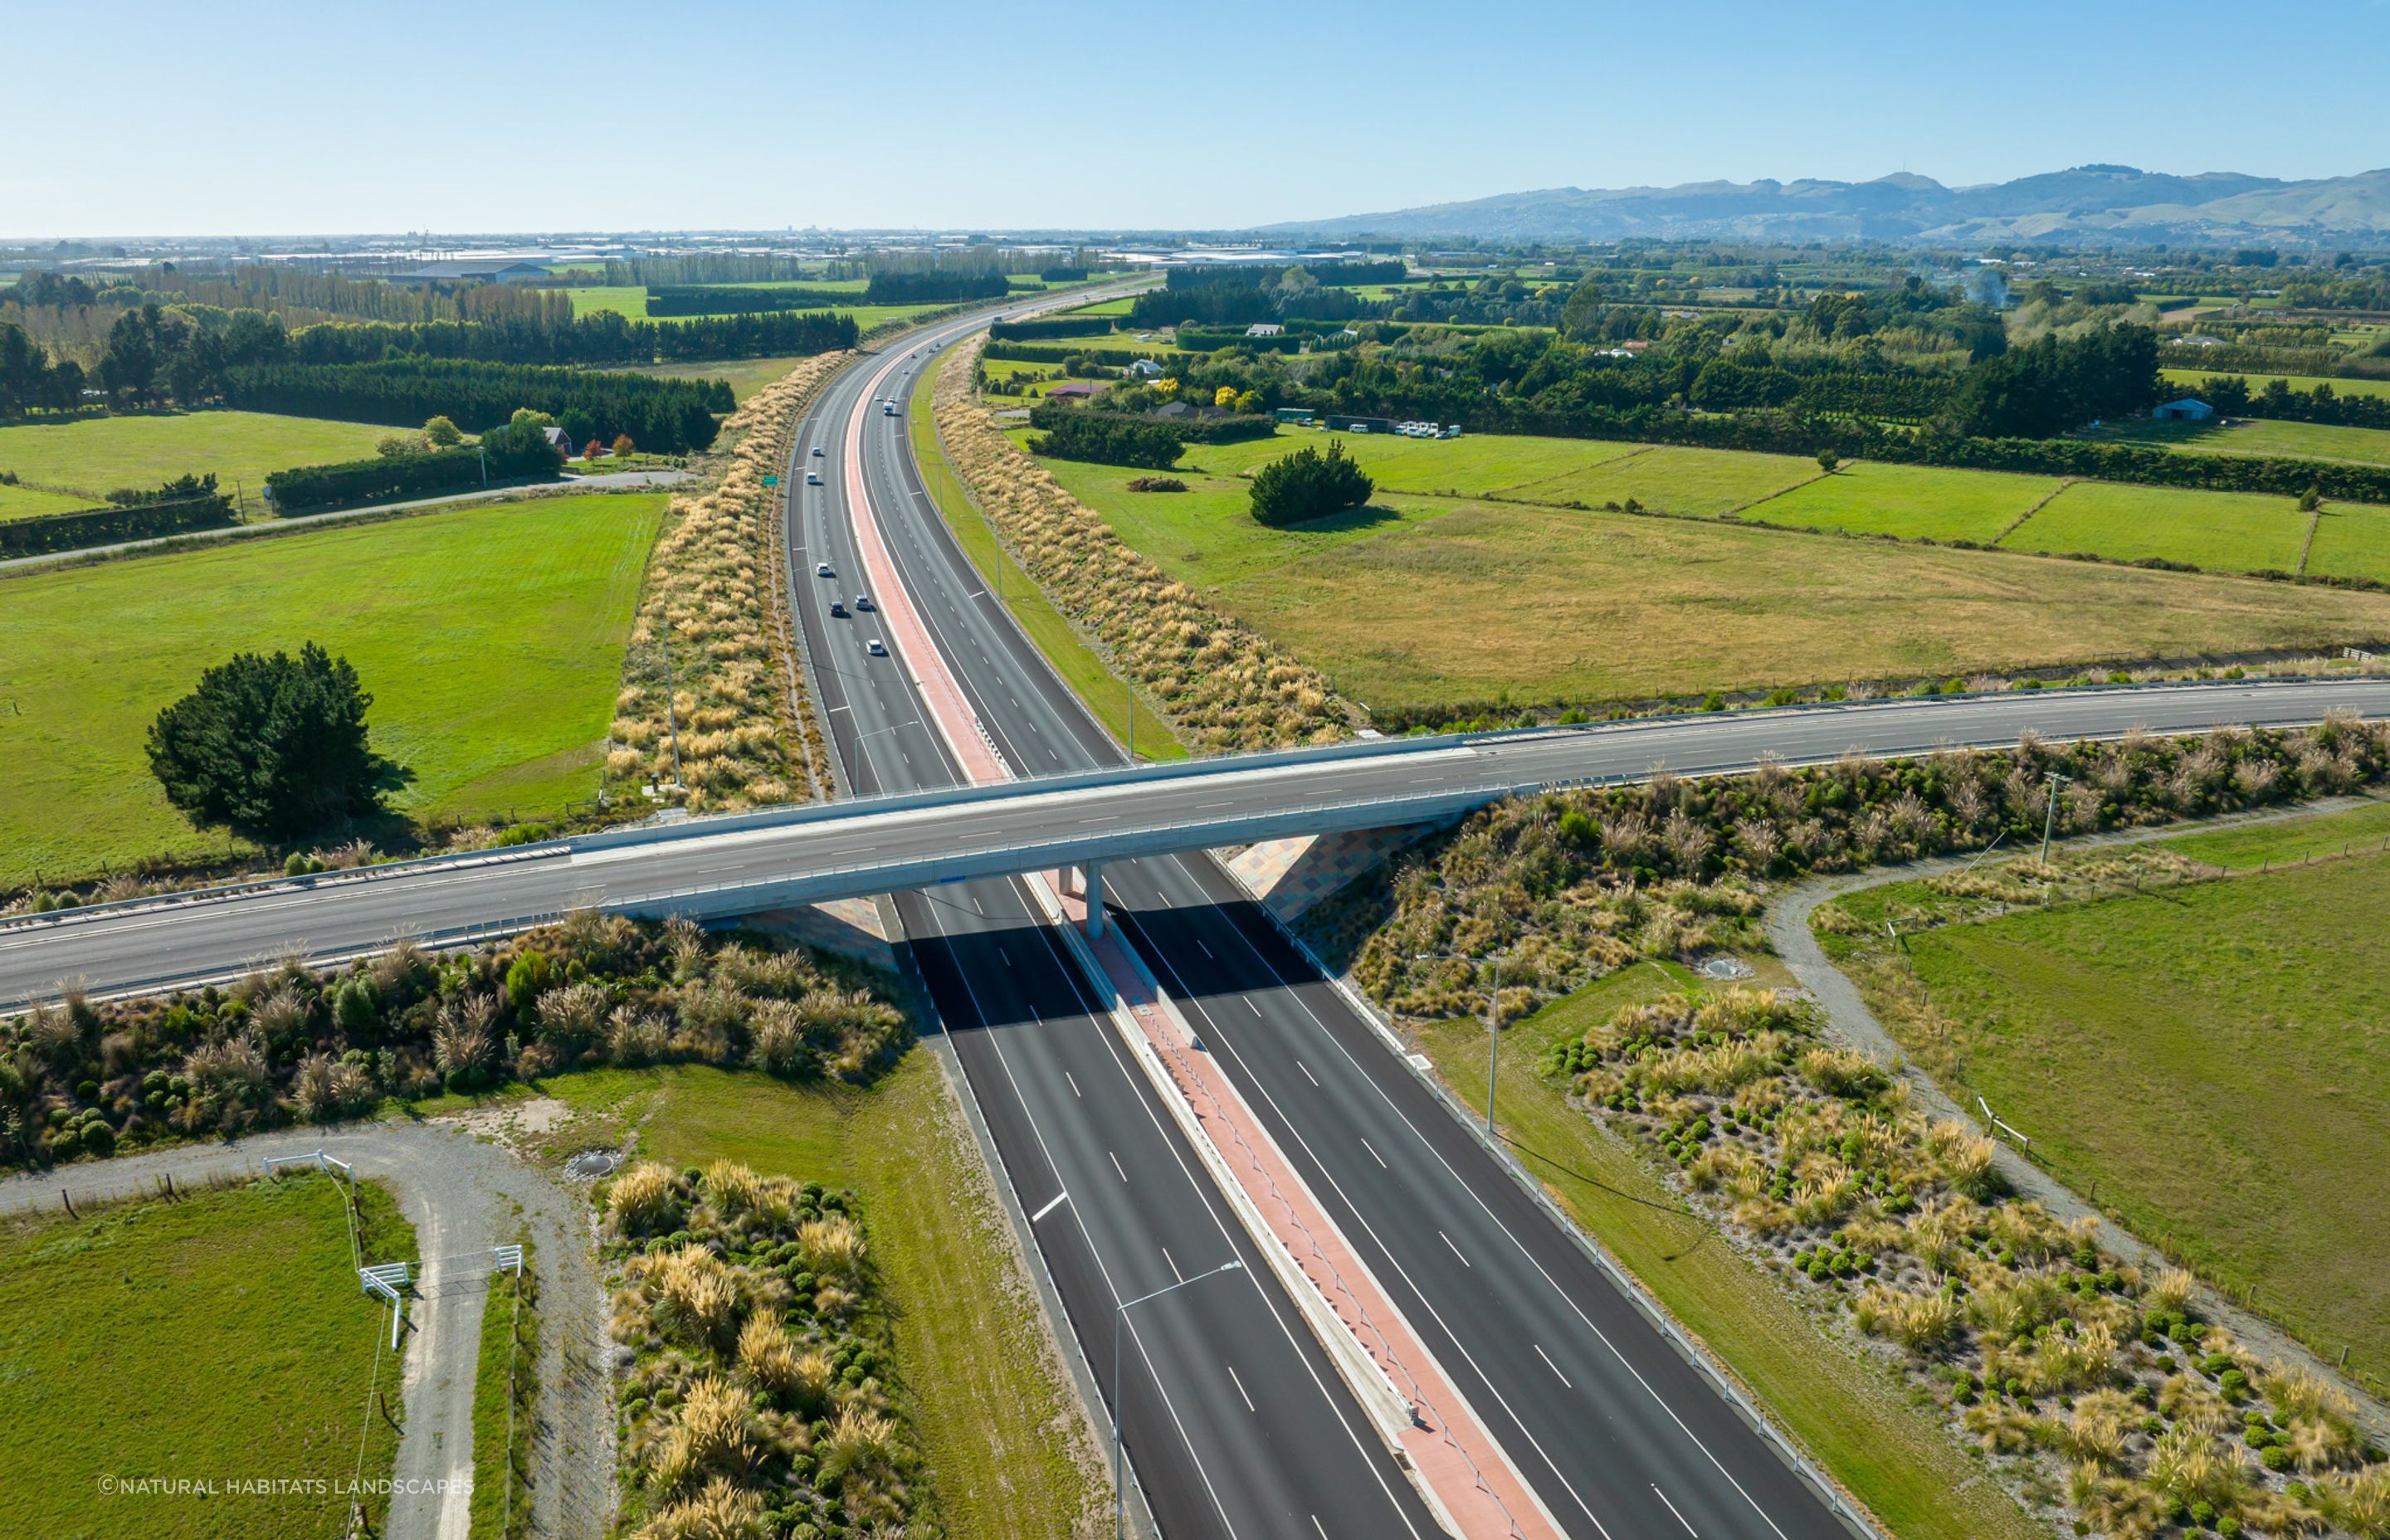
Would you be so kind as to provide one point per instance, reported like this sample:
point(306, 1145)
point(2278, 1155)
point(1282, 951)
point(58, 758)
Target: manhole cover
point(590, 1164)
point(1723, 967)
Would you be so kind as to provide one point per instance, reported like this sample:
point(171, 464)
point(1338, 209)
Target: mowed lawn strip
point(990, 1417)
point(490, 637)
point(1850, 1415)
point(2216, 1057)
point(2223, 532)
point(103, 454)
point(1909, 502)
point(217, 1337)
point(23, 502)
point(1467, 603)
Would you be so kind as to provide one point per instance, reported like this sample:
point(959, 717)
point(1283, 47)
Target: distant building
point(1298, 415)
point(2185, 410)
point(1143, 368)
point(1077, 390)
point(471, 270)
point(1174, 409)
point(1264, 328)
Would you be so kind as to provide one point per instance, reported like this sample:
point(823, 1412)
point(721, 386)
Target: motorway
point(1235, 1419)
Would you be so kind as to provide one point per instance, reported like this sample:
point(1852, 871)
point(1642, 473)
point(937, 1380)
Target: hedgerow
point(758, 1399)
point(1221, 685)
point(747, 729)
point(2101, 1383)
point(290, 1044)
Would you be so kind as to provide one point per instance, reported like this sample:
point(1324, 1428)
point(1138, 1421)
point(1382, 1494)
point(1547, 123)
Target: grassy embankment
point(1854, 1417)
point(991, 1416)
point(217, 1337)
point(96, 455)
point(490, 637)
point(1429, 600)
point(1079, 667)
point(2209, 1058)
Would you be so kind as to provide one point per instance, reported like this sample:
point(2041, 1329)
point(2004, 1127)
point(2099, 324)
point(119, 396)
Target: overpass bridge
point(742, 863)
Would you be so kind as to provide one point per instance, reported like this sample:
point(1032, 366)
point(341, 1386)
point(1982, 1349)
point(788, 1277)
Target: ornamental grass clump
point(1220, 685)
point(2081, 1377)
point(756, 1394)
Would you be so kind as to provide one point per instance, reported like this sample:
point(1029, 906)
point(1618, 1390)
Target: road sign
point(771, 481)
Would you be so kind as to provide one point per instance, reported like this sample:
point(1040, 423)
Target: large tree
point(271, 747)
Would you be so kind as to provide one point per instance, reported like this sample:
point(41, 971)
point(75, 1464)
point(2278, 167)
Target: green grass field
point(102, 455)
point(1910, 502)
point(2223, 532)
point(221, 1338)
point(2305, 441)
point(2212, 1056)
point(2351, 540)
point(988, 1413)
point(505, 1376)
point(490, 636)
point(1852, 1416)
point(746, 376)
point(633, 301)
point(20, 502)
point(2192, 380)
point(1669, 480)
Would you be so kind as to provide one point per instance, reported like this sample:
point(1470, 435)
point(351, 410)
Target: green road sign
point(771, 481)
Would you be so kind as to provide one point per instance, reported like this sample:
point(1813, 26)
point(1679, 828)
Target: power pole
point(2051, 817)
point(672, 712)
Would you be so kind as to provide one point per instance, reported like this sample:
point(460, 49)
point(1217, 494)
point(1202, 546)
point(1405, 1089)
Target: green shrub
point(1307, 486)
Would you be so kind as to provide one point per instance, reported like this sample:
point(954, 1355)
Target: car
point(877, 647)
point(818, 452)
point(837, 610)
point(821, 569)
point(888, 408)
point(862, 603)
point(813, 477)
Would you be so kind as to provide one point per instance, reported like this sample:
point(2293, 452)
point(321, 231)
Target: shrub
point(1307, 484)
point(1109, 438)
point(269, 746)
point(1156, 483)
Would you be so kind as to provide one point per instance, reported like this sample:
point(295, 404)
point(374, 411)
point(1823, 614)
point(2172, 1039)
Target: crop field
point(1669, 480)
point(2224, 531)
point(21, 501)
point(2192, 379)
point(490, 636)
point(2212, 1056)
point(2305, 440)
point(216, 1339)
point(102, 455)
point(2351, 540)
point(967, 1344)
point(1424, 602)
point(1910, 502)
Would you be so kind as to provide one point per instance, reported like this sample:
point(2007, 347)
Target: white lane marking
point(1456, 1251)
point(1173, 1267)
point(1207, 951)
point(1375, 1156)
point(1307, 1074)
point(1116, 1165)
point(1250, 1005)
point(1550, 1364)
point(1241, 1387)
point(1075, 1086)
point(1680, 1517)
point(1052, 1204)
point(1320, 1527)
point(1005, 956)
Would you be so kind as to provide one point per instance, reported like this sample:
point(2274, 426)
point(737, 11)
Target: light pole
point(1493, 1024)
point(2050, 818)
point(1119, 1310)
point(672, 712)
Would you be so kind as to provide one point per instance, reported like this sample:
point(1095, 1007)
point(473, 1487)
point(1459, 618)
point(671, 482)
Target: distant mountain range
point(2089, 205)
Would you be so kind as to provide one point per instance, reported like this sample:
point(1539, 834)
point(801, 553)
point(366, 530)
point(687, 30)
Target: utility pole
point(672, 712)
point(2050, 818)
point(1493, 1024)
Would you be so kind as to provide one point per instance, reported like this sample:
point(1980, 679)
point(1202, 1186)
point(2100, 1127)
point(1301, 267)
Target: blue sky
point(284, 118)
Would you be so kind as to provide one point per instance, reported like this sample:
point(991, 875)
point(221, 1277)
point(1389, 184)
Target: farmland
point(966, 1342)
point(215, 1339)
point(2227, 531)
point(24, 502)
point(2211, 1055)
point(746, 376)
point(2351, 541)
point(490, 637)
point(2191, 380)
point(632, 300)
point(2305, 440)
point(1909, 502)
point(99, 454)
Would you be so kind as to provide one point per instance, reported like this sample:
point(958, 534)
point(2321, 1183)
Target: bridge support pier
point(1091, 876)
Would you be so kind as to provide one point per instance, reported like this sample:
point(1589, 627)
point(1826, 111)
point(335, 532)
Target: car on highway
point(837, 610)
point(813, 477)
point(877, 647)
point(821, 569)
point(862, 603)
point(888, 407)
point(818, 452)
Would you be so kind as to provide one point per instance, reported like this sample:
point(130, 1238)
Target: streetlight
point(2051, 817)
point(1493, 1023)
point(1118, 1312)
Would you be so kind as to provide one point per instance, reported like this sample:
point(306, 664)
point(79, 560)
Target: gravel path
point(1849, 1017)
point(462, 1195)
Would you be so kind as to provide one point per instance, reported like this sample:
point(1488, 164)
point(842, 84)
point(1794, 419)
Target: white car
point(877, 647)
point(821, 569)
point(813, 477)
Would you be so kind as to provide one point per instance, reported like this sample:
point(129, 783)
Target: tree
point(623, 447)
point(442, 434)
point(1828, 460)
point(1307, 484)
point(393, 445)
point(591, 450)
point(270, 745)
point(1224, 397)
